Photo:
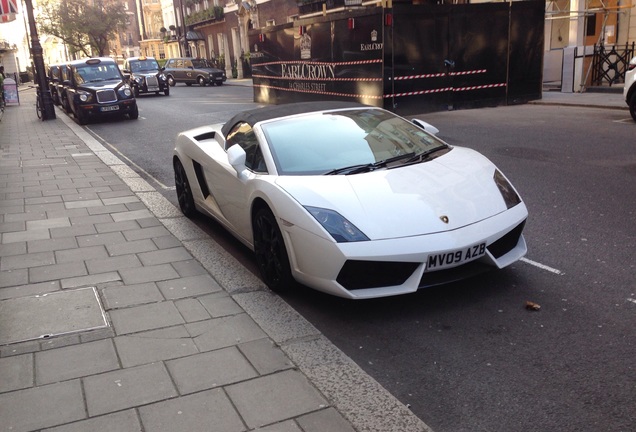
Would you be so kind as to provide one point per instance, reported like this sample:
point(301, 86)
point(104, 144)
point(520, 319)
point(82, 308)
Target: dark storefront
point(407, 58)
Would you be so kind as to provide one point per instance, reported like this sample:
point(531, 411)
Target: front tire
point(166, 91)
point(81, 116)
point(201, 81)
point(171, 81)
point(632, 106)
point(270, 251)
point(134, 113)
point(184, 191)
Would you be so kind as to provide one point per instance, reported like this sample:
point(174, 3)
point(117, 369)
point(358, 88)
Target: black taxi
point(145, 76)
point(95, 87)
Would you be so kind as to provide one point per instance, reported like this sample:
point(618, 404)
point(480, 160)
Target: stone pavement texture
point(178, 336)
point(159, 329)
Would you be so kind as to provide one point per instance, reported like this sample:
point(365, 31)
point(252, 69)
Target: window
point(243, 135)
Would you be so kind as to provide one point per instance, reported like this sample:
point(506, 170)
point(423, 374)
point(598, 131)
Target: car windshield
point(144, 65)
point(346, 142)
point(94, 73)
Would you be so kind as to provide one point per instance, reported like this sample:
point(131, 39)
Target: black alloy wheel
point(270, 251)
point(184, 191)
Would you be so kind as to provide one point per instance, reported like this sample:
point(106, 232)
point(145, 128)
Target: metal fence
point(609, 64)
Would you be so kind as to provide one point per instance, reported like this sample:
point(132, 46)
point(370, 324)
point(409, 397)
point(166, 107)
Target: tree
point(85, 26)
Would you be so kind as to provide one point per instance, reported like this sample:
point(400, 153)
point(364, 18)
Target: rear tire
point(271, 253)
point(184, 191)
point(632, 106)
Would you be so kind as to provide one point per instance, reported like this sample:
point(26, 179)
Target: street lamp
point(186, 46)
point(48, 110)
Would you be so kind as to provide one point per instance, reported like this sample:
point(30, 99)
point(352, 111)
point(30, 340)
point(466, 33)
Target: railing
point(609, 65)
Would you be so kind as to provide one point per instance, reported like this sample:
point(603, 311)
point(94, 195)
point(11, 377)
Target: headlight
point(162, 77)
point(340, 228)
point(139, 80)
point(84, 96)
point(506, 190)
point(127, 91)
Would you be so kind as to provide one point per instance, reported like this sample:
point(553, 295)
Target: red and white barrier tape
point(412, 93)
point(358, 62)
point(318, 79)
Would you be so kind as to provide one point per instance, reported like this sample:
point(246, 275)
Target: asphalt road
point(470, 356)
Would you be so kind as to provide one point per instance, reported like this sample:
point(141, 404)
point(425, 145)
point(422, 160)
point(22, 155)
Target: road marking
point(542, 266)
point(631, 300)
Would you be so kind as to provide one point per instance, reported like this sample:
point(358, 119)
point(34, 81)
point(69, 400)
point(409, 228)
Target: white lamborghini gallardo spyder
point(349, 199)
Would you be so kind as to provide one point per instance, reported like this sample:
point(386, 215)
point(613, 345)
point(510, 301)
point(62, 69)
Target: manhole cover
point(52, 314)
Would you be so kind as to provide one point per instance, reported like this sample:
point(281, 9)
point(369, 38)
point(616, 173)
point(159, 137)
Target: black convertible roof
point(256, 115)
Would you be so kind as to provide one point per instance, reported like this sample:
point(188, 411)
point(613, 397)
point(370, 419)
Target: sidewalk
point(119, 314)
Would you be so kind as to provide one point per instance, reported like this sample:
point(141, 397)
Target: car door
point(188, 71)
point(232, 191)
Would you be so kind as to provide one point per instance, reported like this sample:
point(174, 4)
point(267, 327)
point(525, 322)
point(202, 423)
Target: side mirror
point(236, 156)
point(426, 126)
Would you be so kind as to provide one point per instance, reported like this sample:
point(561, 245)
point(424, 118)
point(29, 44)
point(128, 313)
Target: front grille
point(152, 81)
point(105, 96)
point(373, 274)
point(464, 271)
point(506, 243)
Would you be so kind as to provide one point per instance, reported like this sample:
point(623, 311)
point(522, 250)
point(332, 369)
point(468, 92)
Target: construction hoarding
point(407, 58)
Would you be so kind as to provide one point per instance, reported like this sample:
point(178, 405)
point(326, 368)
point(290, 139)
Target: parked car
point(53, 78)
point(145, 76)
point(629, 91)
point(350, 199)
point(95, 87)
point(190, 71)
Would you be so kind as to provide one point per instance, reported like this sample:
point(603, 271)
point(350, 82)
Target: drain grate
point(52, 314)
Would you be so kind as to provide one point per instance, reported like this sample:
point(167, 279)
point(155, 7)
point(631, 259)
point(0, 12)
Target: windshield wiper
point(356, 169)
point(420, 157)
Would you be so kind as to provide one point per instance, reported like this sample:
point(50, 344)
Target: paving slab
point(124, 421)
point(150, 347)
point(46, 315)
point(75, 361)
point(275, 397)
point(209, 411)
point(16, 372)
point(209, 370)
point(41, 407)
point(224, 332)
point(146, 317)
point(127, 388)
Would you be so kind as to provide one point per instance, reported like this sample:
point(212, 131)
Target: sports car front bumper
point(382, 268)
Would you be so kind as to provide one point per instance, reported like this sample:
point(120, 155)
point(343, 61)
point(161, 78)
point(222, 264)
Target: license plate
point(153, 88)
point(454, 258)
point(110, 108)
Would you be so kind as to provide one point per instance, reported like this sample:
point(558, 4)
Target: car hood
point(101, 85)
point(146, 74)
point(457, 187)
